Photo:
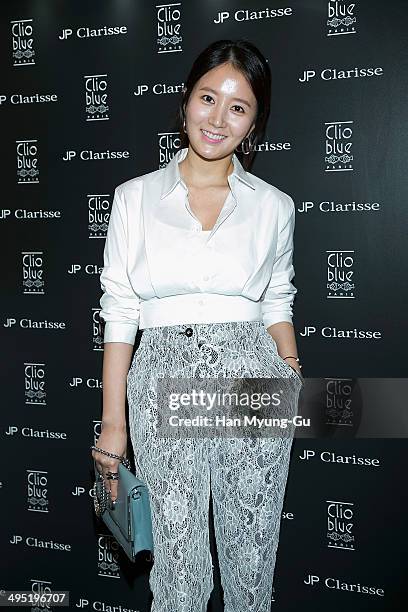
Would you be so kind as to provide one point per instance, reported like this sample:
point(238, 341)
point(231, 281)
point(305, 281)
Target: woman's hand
point(294, 365)
point(113, 440)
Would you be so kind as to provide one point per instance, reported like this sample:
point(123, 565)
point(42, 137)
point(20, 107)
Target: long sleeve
point(276, 305)
point(120, 306)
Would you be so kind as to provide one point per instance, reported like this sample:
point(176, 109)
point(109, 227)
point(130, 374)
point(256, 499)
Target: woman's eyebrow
point(235, 99)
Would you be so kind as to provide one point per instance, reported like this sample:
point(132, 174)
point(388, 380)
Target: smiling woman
point(227, 93)
point(220, 112)
point(198, 255)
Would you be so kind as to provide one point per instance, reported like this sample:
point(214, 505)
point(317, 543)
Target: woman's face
point(222, 102)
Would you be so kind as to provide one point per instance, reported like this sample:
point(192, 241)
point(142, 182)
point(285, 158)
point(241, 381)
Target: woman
point(199, 255)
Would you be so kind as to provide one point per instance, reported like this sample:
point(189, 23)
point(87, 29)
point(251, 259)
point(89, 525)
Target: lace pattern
point(246, 476)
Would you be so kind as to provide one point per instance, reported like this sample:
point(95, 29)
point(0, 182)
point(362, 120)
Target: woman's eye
point(206, 96)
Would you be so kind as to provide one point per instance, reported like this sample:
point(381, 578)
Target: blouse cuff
point(118, 331)
point(271, 319)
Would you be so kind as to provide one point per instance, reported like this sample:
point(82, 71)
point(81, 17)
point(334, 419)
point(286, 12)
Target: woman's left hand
point(294, 365)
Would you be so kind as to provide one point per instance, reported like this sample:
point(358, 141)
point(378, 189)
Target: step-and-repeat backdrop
point(88, 98)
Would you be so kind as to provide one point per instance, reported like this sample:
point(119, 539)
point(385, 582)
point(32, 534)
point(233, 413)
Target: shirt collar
point(172, 174)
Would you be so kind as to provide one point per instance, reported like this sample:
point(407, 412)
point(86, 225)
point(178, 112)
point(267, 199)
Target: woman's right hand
point(113, 440)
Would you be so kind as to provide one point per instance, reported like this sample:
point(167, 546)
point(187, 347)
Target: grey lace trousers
point(247, 476)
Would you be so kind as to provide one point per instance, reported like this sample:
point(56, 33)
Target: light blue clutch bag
point(128, 518)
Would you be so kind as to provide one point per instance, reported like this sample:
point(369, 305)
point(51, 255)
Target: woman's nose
point(217, 118)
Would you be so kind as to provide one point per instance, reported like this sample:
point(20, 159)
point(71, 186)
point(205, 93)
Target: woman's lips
point(212, 140)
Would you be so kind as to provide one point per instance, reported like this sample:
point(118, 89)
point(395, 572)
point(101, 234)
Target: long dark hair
point(247, 58)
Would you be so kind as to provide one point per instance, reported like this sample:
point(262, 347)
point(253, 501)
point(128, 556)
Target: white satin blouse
point(160, 268)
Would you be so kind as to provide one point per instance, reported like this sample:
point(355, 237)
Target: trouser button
point(188, 331)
